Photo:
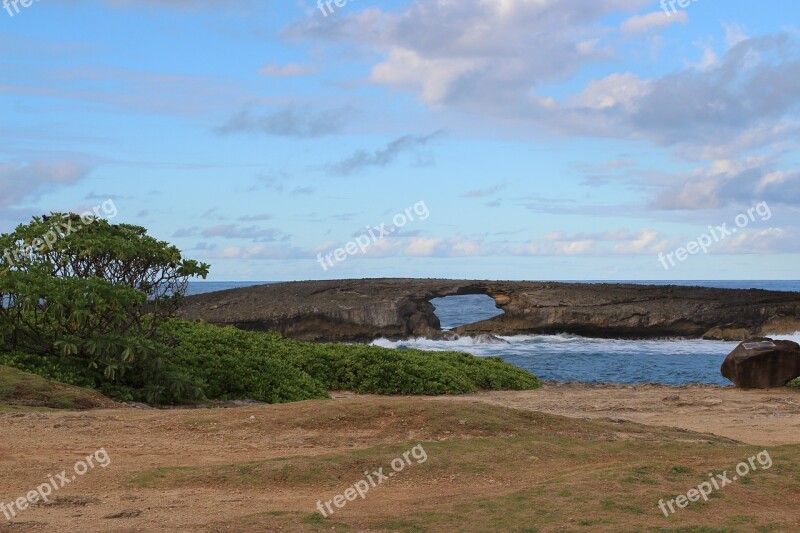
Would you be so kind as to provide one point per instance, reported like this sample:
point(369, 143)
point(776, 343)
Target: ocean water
point(574, 358)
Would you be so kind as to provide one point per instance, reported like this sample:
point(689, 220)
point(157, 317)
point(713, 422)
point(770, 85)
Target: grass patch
point(23, 389)
point(504, 469)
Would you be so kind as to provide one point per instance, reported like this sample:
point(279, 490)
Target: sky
point(482, 139)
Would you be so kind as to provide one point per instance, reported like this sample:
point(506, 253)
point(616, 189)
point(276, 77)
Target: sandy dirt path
point(760, 417)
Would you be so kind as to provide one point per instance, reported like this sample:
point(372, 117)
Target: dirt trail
point(760, 417)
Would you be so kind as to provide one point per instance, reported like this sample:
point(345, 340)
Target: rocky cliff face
point(363, 310)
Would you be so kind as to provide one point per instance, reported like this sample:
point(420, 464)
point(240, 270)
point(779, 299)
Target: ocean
point(574, 358)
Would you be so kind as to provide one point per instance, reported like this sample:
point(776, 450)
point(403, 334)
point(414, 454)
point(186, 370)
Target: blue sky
point(570, 139)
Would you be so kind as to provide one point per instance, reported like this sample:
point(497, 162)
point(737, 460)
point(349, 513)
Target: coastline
point(363, 310)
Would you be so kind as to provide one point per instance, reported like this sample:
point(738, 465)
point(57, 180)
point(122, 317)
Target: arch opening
point(460, 310)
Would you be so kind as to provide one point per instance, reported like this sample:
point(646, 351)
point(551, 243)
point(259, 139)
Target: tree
point(85, 289)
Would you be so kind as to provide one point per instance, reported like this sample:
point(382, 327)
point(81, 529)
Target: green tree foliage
point(93, 293)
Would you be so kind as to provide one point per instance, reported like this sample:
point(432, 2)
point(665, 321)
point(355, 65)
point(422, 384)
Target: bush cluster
point(233, 363)
point(94, 308)
point(229, 364)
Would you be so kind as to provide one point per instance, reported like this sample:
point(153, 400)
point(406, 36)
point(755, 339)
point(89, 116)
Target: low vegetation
point(229, 363)
point(91, 304)
point(503, 469)
point(18, 388)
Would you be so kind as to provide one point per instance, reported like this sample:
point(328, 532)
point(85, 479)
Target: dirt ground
point(263, 468)
point(762, 417)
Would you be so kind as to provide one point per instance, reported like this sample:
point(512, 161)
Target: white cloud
point(646, 242)
point(27, 181)
point(725, 182)
point(734, 34)
point(652, 21)
point(621, 91)
point(766, 241)
point(503, 60)
point(432, 78)
point(615, 242)
point(423, 246)
point(256, 252)
point(476, 52)
point(290, 70)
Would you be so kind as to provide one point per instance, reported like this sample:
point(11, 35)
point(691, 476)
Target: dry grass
point(489, 468)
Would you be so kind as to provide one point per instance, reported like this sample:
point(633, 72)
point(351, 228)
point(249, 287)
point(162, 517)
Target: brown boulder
point(762, 363)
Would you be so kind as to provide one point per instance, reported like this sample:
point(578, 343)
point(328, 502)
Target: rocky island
point(361, 310)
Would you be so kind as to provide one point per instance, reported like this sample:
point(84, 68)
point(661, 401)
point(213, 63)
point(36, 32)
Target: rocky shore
point(366, 309)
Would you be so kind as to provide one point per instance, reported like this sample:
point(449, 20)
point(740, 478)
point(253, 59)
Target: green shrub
point(492, 373)
point(369, 369)
point(227, 364)
point(228, 357)
point(233, 364)
point(54, 368)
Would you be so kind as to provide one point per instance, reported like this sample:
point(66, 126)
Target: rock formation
point(762, 363)
point(363, 310)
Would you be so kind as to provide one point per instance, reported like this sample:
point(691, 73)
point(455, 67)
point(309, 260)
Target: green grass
point(23, 389)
